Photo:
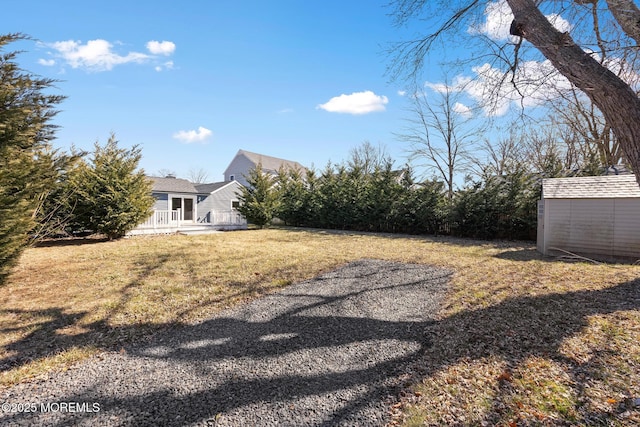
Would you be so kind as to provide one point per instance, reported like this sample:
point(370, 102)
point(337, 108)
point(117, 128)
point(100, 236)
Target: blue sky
point(193, 82)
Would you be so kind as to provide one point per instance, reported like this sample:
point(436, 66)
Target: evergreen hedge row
point(388, 200)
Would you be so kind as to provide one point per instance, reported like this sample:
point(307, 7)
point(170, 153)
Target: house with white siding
point(244, 161)
point(182, 206)
point(595, 216)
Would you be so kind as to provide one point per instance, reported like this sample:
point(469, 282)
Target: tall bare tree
point(500, 157)
point(368, 157)
point(585, 130)
point(198, 176)
point(576, 53)
point(439, 134)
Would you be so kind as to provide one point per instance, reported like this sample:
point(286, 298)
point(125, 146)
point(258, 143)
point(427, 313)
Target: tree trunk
point(628, 16)
point(617, 101)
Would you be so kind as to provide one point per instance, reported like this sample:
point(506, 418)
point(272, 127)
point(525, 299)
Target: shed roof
point(591, 187)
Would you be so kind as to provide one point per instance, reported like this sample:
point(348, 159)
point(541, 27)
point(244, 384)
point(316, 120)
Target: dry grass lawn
point(521, 340)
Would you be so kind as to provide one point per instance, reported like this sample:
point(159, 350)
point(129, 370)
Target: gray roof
point(591, 187)
point(210, 188)
point(179, 185)
point(270, 163)
point(172, 185)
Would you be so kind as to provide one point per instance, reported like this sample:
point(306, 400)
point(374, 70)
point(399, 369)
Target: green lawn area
point(520, 340)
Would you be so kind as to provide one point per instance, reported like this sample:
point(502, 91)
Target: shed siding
point(609, 228)
point(627, 228)
point(557, 223)
point(596, 216)
point(591, 226)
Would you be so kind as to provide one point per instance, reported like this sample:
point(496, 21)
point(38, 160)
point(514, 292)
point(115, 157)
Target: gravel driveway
point(327, 351)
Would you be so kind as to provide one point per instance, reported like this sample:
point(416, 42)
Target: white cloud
point(285, 111)
point(95, 55)
point(498, 18)
point(536, 82)
point(462, 109)
point(458, 85)
point(440, 87)
point(402, 92)
point(165, 48)
point(190, 136)
point(100, 55)
point(166, 66)
point(356, 103)
point(559, 22)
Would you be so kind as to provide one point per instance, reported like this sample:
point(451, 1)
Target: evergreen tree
point(113, 195)
point(259, 201)
point(27, 169)
point(498, 207)
point(54, 213)
point(294, 197)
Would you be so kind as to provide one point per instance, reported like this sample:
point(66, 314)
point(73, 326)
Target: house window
point(232, 177)
point(235, 204)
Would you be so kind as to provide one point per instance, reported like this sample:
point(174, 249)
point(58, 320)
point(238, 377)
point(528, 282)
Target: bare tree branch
point(628, 16)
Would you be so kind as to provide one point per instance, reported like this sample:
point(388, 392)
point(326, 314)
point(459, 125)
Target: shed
point(596, 216)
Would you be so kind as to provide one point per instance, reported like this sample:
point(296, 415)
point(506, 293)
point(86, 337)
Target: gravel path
point(328, 351)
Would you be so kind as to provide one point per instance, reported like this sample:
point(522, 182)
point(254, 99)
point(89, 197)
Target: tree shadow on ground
point(531, 254)
point(524, 255)
point(54, 330)
point(71, 241)
point(232, 359)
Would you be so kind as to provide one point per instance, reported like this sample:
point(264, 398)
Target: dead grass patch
point(520, 340)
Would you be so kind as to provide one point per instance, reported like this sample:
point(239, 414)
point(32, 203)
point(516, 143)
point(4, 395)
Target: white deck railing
point(171, 219)
point(162, 219)
point(227, 218)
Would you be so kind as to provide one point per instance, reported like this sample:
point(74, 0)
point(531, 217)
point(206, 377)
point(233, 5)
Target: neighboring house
point(596, 216)
point(245, 161)
point(182, 206)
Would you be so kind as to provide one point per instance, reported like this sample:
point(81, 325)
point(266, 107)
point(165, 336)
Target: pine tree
point(26, 167)
point(293, 197)
point(260, 199)
point(113, 195)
